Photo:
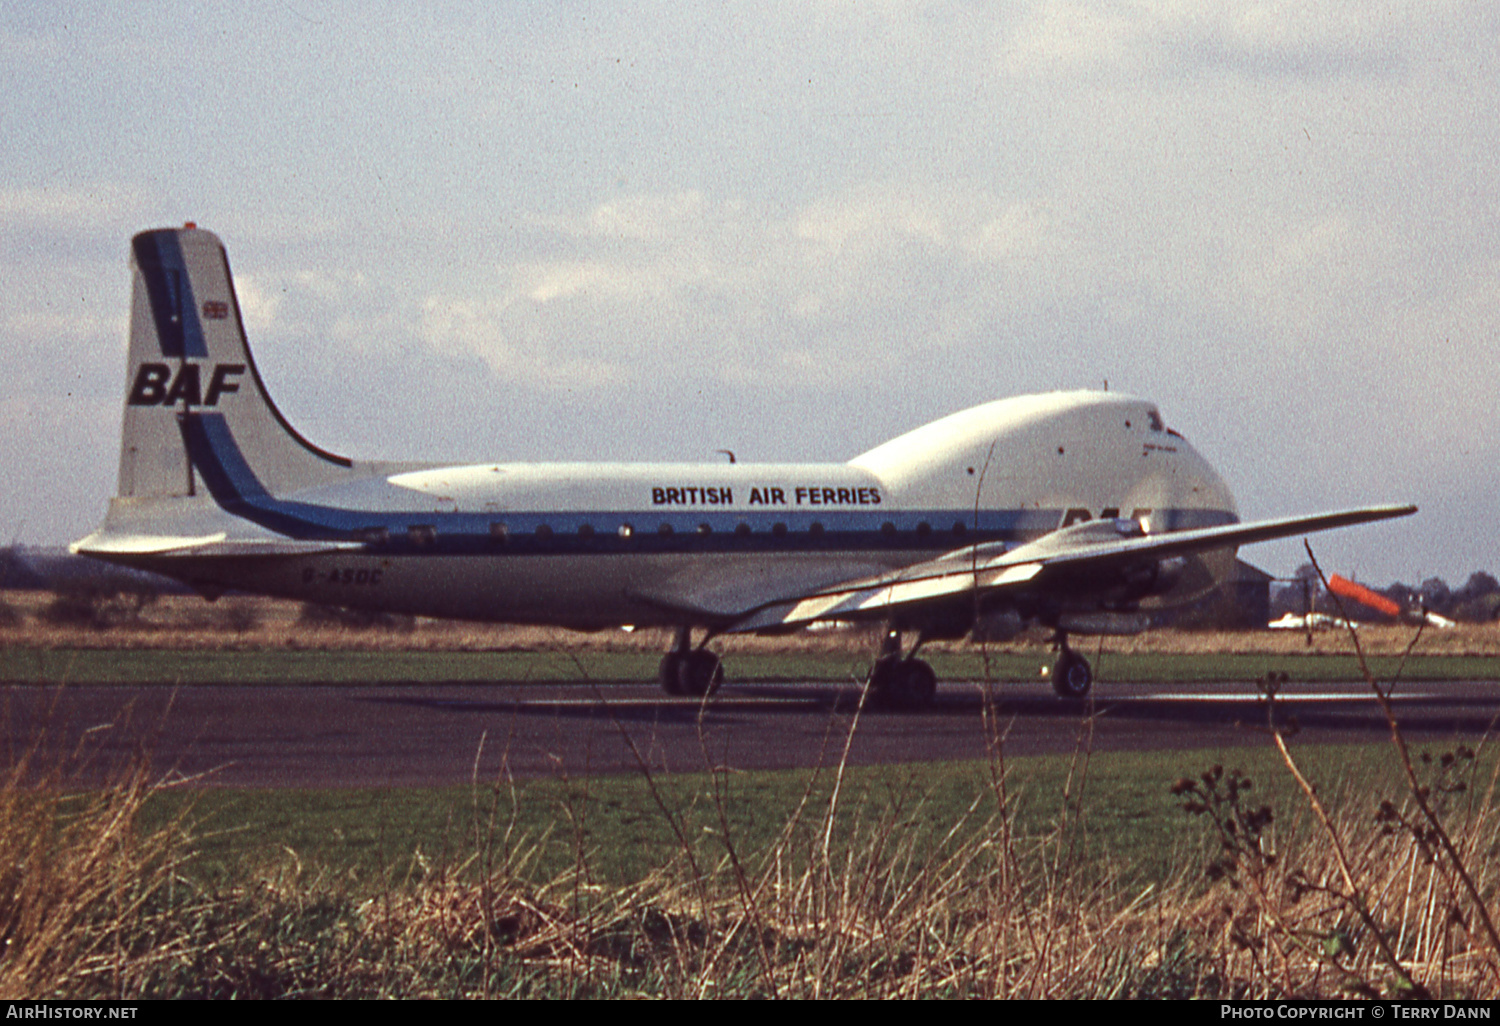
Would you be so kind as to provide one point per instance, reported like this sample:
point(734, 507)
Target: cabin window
point(373, 535)
point(499, 534)
point(742, 529)
point(959, 529)
point(888, 529)
point(586, 531)
point(778, 529)
point(705, 529)
point(543, 531)
point(924, 529)
point(422, 534)
point(665, 530)
point(626, 531)
point(815, 529)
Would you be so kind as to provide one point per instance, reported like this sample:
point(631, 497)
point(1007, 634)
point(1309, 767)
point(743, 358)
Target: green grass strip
point(1116, 808)
point(136, 666)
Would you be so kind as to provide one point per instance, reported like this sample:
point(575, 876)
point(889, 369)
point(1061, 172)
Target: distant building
point(1250, 589)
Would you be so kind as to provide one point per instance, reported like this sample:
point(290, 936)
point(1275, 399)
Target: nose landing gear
point(1072, 676)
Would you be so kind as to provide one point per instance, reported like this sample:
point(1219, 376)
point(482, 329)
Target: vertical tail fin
point(190, 367)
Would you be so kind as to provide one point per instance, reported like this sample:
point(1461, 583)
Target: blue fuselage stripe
point(234, 485)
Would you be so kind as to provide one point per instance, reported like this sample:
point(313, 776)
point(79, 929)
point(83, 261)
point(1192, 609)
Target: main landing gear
point(1072, 676)
point(898, 682)
point(688, 671)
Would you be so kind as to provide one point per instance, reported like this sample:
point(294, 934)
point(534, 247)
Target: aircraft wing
point(749, 584)
point(1102, 546)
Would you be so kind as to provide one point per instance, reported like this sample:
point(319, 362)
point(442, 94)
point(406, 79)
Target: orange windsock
point(1359, 593)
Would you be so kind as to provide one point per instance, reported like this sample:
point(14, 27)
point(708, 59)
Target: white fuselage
point(596, 544)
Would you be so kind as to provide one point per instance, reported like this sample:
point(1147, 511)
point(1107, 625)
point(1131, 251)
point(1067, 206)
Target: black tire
point(669, 673)
point(904, 684)
point(1071, 675)
point(882, 680)
point(699, 673)
point(915, 685)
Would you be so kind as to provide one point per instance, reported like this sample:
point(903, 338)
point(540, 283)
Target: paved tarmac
point(423, 735)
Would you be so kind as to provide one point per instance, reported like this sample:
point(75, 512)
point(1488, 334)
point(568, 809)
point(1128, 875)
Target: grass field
point(258, 666)
point(1324, 872)
point(184, 640)
point(1126, 875)
point(1125, 816)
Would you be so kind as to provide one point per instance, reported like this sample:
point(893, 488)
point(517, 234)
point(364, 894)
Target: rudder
point(189, 359)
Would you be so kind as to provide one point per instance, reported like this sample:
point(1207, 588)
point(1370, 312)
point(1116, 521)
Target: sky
point(646, 231)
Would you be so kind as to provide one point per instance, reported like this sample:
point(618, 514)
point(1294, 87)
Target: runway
point(429, 735)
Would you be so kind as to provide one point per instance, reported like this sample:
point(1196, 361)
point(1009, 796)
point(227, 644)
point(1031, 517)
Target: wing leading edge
point(1104, 546)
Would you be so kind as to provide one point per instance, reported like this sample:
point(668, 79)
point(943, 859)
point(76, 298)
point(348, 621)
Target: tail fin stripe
point(188, 352)
point(234, 485)
point(212, 449)
point(159, 257)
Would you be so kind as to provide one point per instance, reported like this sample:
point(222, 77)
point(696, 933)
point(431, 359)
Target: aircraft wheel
point(1071, 675)
point(699, 673)
point(915, 685)
point(669, 673)
point(902, 684)
point(883, 679)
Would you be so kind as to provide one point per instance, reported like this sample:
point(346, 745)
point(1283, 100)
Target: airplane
point(1081, 511)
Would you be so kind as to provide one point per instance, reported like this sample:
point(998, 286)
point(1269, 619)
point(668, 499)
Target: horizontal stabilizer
point(106, 545)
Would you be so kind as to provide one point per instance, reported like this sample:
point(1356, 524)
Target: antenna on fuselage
point(729, 453)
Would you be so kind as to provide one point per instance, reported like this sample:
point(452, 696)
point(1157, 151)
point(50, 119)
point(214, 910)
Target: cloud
point(648, 217)
point(464, 327)
point(1062, 40)
point(689, 286)
point(259, 304)
point(805, 231)
point(1127, 40)
point(92, 207)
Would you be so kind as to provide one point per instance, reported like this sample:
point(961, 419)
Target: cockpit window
point(1156, 424)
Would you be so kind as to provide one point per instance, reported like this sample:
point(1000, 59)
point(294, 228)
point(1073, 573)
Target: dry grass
point(1355, 902)
point(81, 884)
point(1465, 639)
point(1359, 897)
point(1376, 895)
point(1394, 904)
point(249, 623)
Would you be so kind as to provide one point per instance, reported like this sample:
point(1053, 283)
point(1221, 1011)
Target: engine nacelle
point(1156, 578)
point(1104, 623)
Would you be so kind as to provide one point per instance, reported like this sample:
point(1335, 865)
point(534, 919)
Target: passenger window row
point(500, 533)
